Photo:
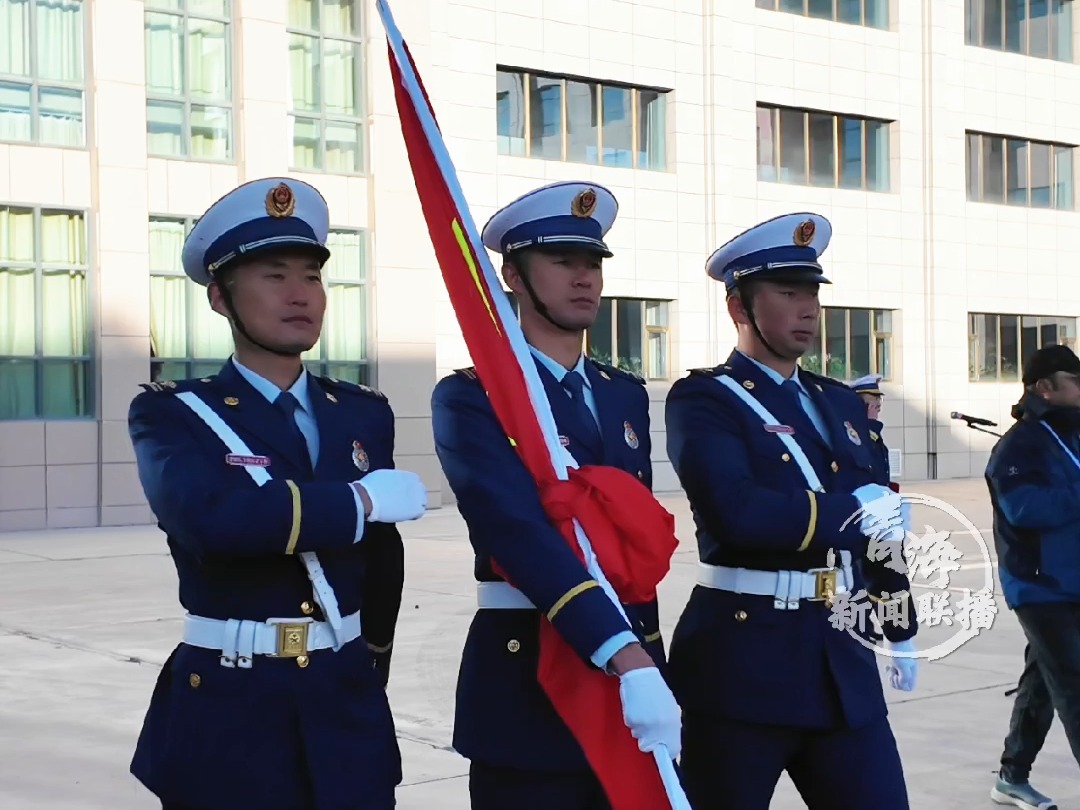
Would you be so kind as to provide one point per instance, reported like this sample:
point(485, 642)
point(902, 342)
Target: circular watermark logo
point(927, 559)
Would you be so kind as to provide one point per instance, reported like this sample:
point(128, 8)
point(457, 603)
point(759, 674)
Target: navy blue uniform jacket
point(276, 735)
point(1035, 490)
point(503, 716)
point(735, 655)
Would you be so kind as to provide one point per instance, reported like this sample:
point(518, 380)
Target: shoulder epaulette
point(710, 371)
point(356, 388)
point(160, 386)
point(468, 373)
point(614, 371)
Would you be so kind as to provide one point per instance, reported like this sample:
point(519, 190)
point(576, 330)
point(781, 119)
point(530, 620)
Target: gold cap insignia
point(280, 201)
point(804, 234)
point(232, 401)
point(584, 203)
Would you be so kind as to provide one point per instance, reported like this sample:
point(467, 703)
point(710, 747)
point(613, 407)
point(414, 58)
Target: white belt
point(501, 596)
point(239, 640)
point(786, 587)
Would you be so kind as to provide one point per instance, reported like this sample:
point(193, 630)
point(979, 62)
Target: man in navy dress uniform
point(869, 390)
point(780, 472)
point(278, 494)
point(522, 755)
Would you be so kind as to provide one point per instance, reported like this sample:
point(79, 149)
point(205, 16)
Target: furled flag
point(618, 529)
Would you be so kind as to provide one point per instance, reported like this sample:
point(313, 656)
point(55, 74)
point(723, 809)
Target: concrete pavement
point(87, 616)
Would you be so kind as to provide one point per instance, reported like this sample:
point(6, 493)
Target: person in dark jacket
point(869, 390)
point(1034, 481)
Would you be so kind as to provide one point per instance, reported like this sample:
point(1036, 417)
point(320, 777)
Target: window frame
point(598, 111)
point(975, 349)
point(323, 366)
point(361, 84)
point(874, 335)
point(975, 30)
point(192, 298)
point(646, 329)
point(35, 83)
point(88, 360)
point(774, 5)
point(1028, 143)
point(777, 150)
point(186, 98)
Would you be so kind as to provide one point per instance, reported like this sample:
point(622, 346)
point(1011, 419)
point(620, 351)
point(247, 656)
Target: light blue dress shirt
point(602, 657)
point(305, 420)
point(807, 402)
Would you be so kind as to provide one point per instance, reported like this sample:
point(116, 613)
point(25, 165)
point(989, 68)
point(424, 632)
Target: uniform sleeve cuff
point(359, 515)
point(602, 657)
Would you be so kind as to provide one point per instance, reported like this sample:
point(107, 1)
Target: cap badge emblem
point(804, 234)
point(280, 201)
point(584, 203)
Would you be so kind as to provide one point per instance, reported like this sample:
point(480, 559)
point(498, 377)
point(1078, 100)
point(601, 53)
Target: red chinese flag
point(632, 535)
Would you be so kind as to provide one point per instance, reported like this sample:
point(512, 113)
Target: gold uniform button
point(834, 466)
point(307, 608)
point(786, 457)
point(194, 680)
point(302, 661)
point(740, 615)
point(513, 645)
point(639, 475)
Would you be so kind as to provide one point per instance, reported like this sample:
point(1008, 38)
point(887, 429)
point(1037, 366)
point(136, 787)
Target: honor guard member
point(278, 495)
point(522, 755)
point(780, 472)
point(869, 390)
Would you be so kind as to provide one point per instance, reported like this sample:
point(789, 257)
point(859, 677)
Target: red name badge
point(779, 429)
point(235, 460)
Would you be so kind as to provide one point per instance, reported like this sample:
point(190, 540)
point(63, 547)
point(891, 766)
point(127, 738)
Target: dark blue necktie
point(573, 382)
point(288, 404)
point(791, 388)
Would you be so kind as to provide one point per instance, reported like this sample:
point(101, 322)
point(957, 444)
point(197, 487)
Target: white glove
point(395, 495)
point(903, 672)
point(650, 710)
point(885, 516)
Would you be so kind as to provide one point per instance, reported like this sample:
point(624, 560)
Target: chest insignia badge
point(630, 436)
point(852, 433)
point(360, 457)
point(564, 441)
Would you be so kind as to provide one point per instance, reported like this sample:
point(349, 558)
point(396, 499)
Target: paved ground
point(77, 668)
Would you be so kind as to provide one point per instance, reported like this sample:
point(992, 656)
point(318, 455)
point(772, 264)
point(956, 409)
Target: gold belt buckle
point(292, 640)
point(825, 585)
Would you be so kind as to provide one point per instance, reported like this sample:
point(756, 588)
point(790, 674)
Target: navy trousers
point(731, 765)
point(493, 787)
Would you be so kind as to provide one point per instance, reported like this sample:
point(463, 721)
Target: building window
point(342, 350)
point(326, 76)
point(822, 149)
point(631, 334)
point(872, 13)
point(189, 97)
point(44, 335)
point(1041, 28)
point(558, 118)
point(41, 72)
point(1016, 171)
point(852, 343)
point(999, 345)
point(187, 338)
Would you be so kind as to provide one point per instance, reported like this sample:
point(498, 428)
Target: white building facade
point(938, 137)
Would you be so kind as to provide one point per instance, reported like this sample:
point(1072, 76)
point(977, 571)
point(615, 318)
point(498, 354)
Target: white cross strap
point(792, 446)
point(324, 593)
